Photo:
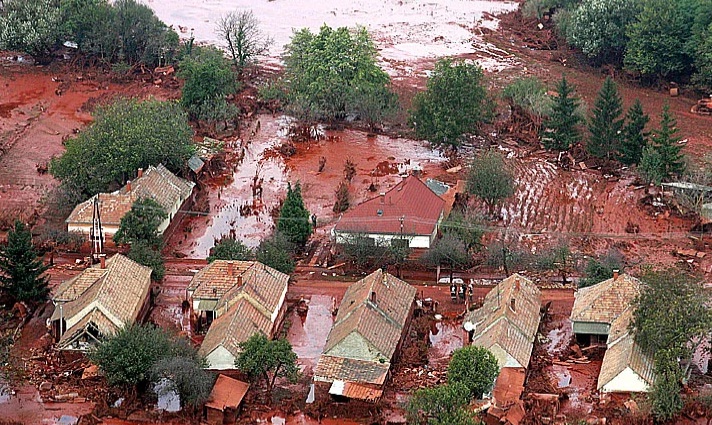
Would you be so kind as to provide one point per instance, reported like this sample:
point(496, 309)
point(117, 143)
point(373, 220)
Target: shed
point(225, 400)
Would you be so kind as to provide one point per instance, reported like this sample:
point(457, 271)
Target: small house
point(224, 401)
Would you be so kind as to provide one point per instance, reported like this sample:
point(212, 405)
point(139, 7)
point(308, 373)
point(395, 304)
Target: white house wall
point(220, 359)
point(626, 382)
point(504, 359)
point(86, 229)
point(421, 241)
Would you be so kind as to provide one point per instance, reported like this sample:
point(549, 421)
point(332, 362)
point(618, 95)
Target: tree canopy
point(141, 223)
point(490, 178)
point(230, 248)
point(662, 158)
point(208, 79)
point(30, 26)
point(293, 221)
point(634, 137)
point(606, 124)
point(240, 30)
point(442, 405)
point(265, 359)
point(562, 125)
point(185, 376)
point(474, 367)
point(276, 252)
point(21, 272)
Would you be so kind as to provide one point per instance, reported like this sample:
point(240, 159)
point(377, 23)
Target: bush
point(31, 26)
point(230, 248)
point(529, 94)
point(276, 252)
point(474, 367)
point(442, 405)
point(186, 376)
point(598, 270)
point(293, 221)
point(208, 79)
point(141, 223)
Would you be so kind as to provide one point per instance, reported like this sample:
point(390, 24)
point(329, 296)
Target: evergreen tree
point(606, 125)
point(663, 157)
point(562, 131)
point(293, 219)
point(20, 270)
point(634, 138)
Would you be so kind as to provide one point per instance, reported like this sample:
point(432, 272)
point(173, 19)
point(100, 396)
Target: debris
point(454, 170)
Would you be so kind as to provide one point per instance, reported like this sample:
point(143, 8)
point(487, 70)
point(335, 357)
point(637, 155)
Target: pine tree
point(562, 131)
point(606, 125)
point(663, 157)
point(634, 138)
point(20, 270)
point(293, 219)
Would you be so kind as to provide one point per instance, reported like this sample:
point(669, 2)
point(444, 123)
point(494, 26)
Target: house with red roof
point(410, 211)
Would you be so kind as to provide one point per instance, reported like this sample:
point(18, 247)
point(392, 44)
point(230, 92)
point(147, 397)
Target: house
point(99, 301)
point(156, 183)
point(507, 322)
point(372, 320)
point(237, 299)
point(597, 306)
point(625, 368)
point(410, 211)
point(224, 400)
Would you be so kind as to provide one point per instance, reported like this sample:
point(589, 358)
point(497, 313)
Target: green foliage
point(506, 253)
point(448, 250)
point(240, 30)
point(490, 179)
point(474, 367)
point(557, 258)
point(20, 270)
point(529, 94)
point(665, 395)
point(467, 227)
point(230, 248)
point(598, 270)
point(149, 256)
point(127, 357)
point(141, 223)
point(606, 125)
point(455, 103)
point(276, 252)
point(334, 73)
point(442, 405)
point(657, 39)
point(266, 359)
point(31, 26)
point(563, 132)
point(598, 27)
point(208, 79)
point(293, 221)
point(186, 376)
point(634, 137)
point(662, 159)
point(703, 60)
point(125, 135)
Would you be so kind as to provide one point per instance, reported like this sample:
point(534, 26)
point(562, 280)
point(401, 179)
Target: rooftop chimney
point(102, 260)
point(383, 197)
point(616, 273)
point(512, 304)
point(128, 186)
point(140, 172)
point(239, 280)
point(230, 269)
point(516, 285)
point(373, 297)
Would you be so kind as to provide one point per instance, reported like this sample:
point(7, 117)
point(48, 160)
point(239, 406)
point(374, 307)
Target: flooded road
point(445, 337)
point(308, 335)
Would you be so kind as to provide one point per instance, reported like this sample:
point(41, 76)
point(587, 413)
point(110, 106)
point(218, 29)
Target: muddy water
point(26, 406)
point(302, 419)
point(308, 335)
point(445, 337)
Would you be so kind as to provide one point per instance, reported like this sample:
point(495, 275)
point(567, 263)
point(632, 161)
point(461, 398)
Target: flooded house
point(409, 213)
point(236, 299)
point(603, 313)
point(369, 330)
point(158, 183)
point(99, 301)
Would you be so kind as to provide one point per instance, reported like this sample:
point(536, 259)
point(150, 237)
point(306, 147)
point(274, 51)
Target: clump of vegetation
point(598, 270)
point(230, 248)
point(606, 124)
point(474, 367)
point(528, 98)
point(21, 272)
point(240, 30)
point(562, 126)
point(441, 405)
point(266, 360)
point(342, 198)
point(662, 158)
point(276, 252)
point(490, 179)
point(139, 229)
point(293, 221)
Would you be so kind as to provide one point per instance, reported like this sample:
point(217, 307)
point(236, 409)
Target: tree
point(558, 258)
point(342, 198)
point(187, 377)
point(598, 270)
point(276, 252)
point(141, 223)
point(240, 30)
point(149, 256)
point(261, 358)
point(334, 73)
point(293, 221)
point(665, 394)
point(490, 179)
point(127, 357)
point(208, 79)
point(703, 59)
point(364, 252)
point(506, 253)
point(663, 158)
point(606, 125)
point(634, 137)
point(562, 130)
point(466, 227)
point(442, 405)
point(449, 251)
point(455, 103)
point(474, 367)
point(21, 273)
point(230, 248)
point(30, 26)
point(651, 165)
point(126, 135)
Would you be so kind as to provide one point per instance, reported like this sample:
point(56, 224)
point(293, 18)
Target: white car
point(455, 280)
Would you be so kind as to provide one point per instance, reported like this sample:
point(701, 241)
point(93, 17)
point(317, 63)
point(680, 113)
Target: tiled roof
point(512, 329)
point(236, 325)
point(624, 352)
point(410, 199)
point(603, 302)
point(157, 183)
point(331, 368)
point(379, 323)
point(227, 393)
point(118, 291)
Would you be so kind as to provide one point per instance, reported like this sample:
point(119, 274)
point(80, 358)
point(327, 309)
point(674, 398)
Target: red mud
point(308, 334)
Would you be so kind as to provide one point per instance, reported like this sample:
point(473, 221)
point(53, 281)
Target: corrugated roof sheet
point(605, 301)
point(411, 199)
point(227, 393)
point(512, 329)
point(624, 352)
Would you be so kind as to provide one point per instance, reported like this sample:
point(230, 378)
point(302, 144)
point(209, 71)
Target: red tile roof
point(411, 199)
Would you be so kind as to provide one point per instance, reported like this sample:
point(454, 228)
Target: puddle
point(562, 375)
point(559, 337)
point(308, 335)
point(168, 398)
point(67, 420)
point(4, 392)
point(445, 337)
point(277, 420)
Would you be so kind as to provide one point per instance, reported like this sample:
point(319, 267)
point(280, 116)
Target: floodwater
point(168, 398)
point(445, 337)
point(27, 407)
point(308, 335)
point(302, 419)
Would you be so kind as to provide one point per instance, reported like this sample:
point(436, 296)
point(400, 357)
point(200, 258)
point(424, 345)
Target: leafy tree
point(663, 158)
point(466, 227)
point(558, 258)
point(449, 251)
point(665, 395)
point(442, 405)
point(230, 248)
point(142, 37)
point(293, 221)
point(276, 252)
point(127, 357)
point(21, 273)
point(125, 135)
point(91, 24)
point(342, 198)
point(330, 72)
point(240, 30)
point(606, 125)
point(474, 367)
point(208, 78)
point(141, 223)
point(374, 105)
point(634, 137)
point(598, 28)
point(703, 59)
point(455, 103)
point(149, 256)
point(490, 179)
point(187, 377)
point(562, 124)
point(31, 26)
point(505, 252)
point(367, 253)
point(598, 270)
point(264, 359)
